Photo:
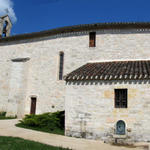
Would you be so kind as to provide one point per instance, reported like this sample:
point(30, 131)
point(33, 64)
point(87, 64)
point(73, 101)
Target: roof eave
point(78, 28)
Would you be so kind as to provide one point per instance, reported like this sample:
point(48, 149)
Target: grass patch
point(3, 116)
point(11, 143)
point(47, 122)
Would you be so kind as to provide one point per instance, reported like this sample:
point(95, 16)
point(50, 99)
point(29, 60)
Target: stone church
point(98, 73)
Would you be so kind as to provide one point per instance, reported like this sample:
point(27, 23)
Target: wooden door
point(33, 105)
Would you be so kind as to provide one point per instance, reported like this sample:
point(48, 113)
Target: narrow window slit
point(61, 65)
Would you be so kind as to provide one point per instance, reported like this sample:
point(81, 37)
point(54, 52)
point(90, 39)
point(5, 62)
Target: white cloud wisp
point(6, 7)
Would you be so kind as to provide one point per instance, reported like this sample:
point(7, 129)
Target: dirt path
point(7, 128)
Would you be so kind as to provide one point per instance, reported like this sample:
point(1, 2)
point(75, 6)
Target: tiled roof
point(79, 28)
point(115, 70)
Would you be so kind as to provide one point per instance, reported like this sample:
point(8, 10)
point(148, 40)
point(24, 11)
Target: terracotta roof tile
point(115, 70)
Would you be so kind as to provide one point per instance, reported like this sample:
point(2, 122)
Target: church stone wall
point(39, 75)
point(90, 111)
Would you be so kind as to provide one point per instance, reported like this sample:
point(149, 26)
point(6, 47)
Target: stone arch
point(5, 24)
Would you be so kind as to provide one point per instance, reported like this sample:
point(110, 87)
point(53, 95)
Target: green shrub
point(50, 121)
point(3, 113)
point(3, 116)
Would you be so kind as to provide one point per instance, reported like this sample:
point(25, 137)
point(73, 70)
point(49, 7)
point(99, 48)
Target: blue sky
point(37, 15)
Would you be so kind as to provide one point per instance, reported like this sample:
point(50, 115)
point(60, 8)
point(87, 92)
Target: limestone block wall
point(17, 87)
point(41, 73)
point(90, 111)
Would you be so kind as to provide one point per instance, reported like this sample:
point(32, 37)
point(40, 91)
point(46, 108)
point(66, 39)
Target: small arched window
point(61, 65)
point(120, 127)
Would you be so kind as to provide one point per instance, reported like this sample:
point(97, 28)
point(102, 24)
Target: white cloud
point(6, 7)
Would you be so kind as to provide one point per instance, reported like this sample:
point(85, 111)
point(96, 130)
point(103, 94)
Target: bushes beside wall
point(47, 122)
point(3, 116)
